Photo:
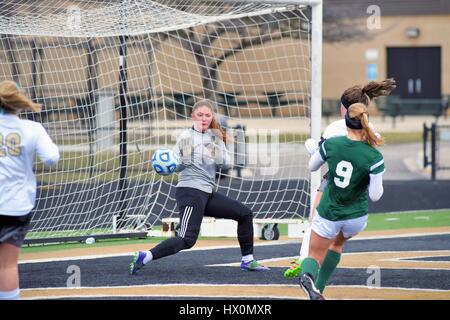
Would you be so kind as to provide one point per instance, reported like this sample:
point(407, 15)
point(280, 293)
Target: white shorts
point(330, 229)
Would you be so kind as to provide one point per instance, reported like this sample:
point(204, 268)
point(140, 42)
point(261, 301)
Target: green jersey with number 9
point(350, 164)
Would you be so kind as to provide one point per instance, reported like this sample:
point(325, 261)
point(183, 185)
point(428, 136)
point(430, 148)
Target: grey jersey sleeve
point(223, 158)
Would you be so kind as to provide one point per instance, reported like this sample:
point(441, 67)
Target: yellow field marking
point(235, 291)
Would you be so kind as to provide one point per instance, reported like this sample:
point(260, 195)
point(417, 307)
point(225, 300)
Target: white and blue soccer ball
point(164, 162)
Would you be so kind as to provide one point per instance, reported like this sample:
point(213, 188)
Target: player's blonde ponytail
point(358, 112)
point(13, 99)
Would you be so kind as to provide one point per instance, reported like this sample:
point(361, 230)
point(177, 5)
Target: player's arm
point(316, 161)
point(46, 149)
point(376, 187)
point(183, 152)
point(311, 146)
point(318, 158)
point(333, 130)
point(222, 156)
point(376, 180)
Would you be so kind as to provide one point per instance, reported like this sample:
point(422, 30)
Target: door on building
point(417, 71)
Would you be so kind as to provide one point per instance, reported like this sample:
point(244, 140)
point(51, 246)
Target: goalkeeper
point(355, 94)
point(20, 140)
point(201, 149)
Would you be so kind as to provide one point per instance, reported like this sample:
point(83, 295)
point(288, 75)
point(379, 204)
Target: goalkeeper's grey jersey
point(200, 154)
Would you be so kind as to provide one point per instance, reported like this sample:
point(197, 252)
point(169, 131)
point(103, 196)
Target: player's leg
point(350, 228)
point(220, 206)
point(12, 234)
point(331, 261)
point(191, 204)
point(295, 268)
point(322, 235)
point(9, 273)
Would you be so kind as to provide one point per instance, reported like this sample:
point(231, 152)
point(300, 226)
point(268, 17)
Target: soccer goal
point(117, 80)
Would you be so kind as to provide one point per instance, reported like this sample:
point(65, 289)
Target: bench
point(265, 229)
point(394, 106)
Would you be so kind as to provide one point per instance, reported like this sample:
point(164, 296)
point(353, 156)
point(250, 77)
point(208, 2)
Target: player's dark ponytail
point(382, 88)
point(14, 100)
point(359, 94)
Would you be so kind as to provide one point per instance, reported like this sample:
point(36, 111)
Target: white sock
point(10, 295)
point(304, 249)
point(148, 257)
point(248, 258)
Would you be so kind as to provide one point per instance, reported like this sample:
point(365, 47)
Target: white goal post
point(316, 74)
point(117, 80)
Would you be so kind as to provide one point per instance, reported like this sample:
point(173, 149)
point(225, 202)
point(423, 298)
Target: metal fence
point(436, 148)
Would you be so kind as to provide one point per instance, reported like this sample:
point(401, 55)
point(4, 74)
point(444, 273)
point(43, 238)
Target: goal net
point(117, 80)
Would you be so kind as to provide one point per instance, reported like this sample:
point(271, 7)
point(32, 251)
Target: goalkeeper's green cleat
point(294, 270)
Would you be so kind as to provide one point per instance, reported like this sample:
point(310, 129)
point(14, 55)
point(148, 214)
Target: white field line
point(269, 243)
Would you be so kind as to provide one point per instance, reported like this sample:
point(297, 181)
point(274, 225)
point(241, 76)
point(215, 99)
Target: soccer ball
point(164, 162)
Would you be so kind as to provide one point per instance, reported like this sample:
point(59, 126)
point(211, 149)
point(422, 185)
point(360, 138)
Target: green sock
point(310, 266)
point(326, 269)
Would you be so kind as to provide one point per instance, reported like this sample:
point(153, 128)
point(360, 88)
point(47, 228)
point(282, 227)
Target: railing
point(394, 107)
point(436, 148)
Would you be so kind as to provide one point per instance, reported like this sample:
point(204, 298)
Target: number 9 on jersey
point(344, 170)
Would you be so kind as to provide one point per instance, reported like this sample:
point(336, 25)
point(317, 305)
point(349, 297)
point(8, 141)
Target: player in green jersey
point(356, 170)
point(362, 94)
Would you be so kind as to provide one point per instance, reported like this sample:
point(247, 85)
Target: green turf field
point(422, 219)
point(381, 221)
point(401, 220)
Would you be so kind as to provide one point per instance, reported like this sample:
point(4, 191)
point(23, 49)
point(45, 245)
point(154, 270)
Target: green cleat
point(253, 266)
point(137, 263)
point(294, 270)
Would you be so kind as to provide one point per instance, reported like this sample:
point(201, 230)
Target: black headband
point(345, 102)
point(352, 123)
